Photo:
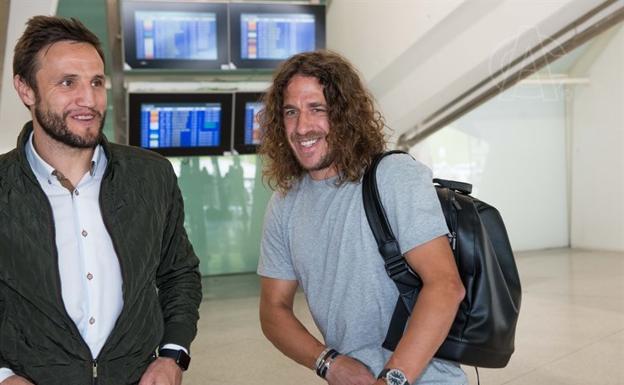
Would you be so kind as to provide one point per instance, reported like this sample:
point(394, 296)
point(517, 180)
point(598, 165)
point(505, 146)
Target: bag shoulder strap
point(396, 266)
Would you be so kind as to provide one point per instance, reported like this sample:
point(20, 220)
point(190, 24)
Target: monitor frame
point(240, 99)
point(129, 35)
point(135, 100)
point(236, 9)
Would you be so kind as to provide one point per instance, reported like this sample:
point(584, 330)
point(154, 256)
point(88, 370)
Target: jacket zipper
point(95, 373)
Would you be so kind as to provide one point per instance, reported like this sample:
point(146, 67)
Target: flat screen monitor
point(264, 35)
point(175, 35)
point(175, 124)
point(247, 134)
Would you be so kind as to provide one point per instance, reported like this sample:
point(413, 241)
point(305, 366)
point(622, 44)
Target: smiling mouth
point(86, 115)
point(308, 143)
point(83, 117)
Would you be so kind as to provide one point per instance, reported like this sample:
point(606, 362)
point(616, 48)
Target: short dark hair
point(42, 31)
point(356, 132)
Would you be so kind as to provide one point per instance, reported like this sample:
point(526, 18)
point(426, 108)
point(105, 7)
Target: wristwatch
point(181, 358)
point(393, 377)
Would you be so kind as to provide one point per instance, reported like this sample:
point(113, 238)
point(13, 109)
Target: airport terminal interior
point(523, 99)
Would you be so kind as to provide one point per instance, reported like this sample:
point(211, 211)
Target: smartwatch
point(393, 377)
point(181, 358)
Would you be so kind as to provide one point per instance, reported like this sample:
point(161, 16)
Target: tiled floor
point(571, 328)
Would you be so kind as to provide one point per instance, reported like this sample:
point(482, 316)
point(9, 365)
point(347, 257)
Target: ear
point(24, 91)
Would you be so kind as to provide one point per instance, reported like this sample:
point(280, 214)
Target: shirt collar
point(43, 170)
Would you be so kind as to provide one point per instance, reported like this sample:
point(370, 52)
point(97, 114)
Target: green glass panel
point(224, 204)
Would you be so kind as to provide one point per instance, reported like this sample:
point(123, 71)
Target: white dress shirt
point(88, 265)
point(91, 281)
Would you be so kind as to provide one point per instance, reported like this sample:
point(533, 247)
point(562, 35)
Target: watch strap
point(181, 358)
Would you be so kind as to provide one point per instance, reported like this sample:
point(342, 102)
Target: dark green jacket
point(143, 211)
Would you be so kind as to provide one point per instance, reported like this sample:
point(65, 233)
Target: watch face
point(395, 377)
point(184, 360)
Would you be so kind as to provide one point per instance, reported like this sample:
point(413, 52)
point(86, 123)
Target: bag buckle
point(396, 266)
point(394, 262)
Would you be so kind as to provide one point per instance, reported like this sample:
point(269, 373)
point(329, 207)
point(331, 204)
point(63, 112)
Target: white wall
point(597, 116)
point(13, 114)
point(417, 55)
point(373, 33)
point(512, 149)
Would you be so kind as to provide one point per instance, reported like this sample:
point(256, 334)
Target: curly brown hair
point(356, 132)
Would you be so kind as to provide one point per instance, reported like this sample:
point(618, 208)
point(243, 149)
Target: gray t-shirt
point(318, 234)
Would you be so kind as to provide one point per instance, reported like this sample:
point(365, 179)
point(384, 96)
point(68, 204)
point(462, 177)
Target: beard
point(326, 161)
point(56, 127)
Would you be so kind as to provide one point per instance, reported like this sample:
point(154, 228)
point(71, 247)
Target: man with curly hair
point(321, 131)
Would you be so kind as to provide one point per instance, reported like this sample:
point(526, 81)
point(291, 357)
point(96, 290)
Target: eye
point(67, 82)
point(97, 83)
point(290, 112)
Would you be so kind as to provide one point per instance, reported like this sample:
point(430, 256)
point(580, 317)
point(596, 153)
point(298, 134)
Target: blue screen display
point(176, 35)
point(166, 125)
point(276, 36)
point(252, 129)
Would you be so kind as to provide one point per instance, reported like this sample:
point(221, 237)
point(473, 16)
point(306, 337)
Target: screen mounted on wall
point(175, 124)
point(247, 133)
point(263, 35)
point(175, 35)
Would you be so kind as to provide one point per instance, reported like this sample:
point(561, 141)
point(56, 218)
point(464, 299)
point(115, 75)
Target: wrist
point(393, 376)
point(179, 356)
point(411, 369)
point(324, 361)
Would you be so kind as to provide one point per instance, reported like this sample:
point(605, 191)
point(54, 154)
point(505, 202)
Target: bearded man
point(98, 281)
point(321, 131)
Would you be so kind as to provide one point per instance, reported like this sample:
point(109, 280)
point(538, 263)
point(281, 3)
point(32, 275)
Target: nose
point(304, 123)
point(86, 96)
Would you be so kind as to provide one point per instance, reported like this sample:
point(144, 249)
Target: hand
point(16, 380)
point(348, 371)
point(380, 382)
point(163, 371)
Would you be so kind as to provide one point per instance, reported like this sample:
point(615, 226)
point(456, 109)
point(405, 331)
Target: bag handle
point(464, 188)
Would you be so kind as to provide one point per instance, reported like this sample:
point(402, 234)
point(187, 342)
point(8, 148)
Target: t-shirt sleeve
point(275, 260)
point(411, 203)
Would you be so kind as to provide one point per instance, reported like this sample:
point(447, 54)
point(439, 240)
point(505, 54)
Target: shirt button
point(84, 233)
point(49, 181)
point(91, 321)
point(89, 276)
point(76, 192)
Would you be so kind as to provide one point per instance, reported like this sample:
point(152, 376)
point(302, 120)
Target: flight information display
point(276, 36)
point(179, 125)
point(175, 35)
point(252, 129)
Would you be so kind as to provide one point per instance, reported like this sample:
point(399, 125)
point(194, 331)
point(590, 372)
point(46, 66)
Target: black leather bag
point(483, 331)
